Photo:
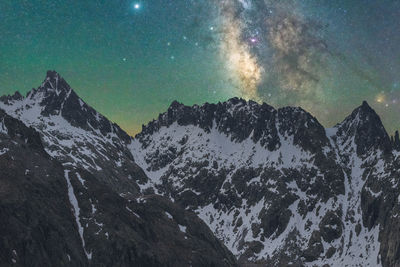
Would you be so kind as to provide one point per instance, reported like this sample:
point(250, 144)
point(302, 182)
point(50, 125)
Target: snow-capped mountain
point(275, 186)
point(69, 193)
point(76, 134)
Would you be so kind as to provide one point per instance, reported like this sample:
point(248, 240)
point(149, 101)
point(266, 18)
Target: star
point(136, 6)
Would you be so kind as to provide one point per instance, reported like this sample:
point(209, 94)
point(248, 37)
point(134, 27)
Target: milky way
point(241, 62)
point(270, 44)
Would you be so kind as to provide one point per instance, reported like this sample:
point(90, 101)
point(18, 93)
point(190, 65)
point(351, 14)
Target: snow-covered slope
point(274, 185)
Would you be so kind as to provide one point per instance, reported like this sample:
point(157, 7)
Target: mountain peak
point(365, 104)
point(52, 74)
point(367, 129)
point(54, 82)
point(366, 113)
point(175, 104)
point(55, 97)
point(366, 108)
point(10, 98)
point(240, 119)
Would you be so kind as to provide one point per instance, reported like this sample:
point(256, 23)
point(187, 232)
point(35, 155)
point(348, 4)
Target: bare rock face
point(147, 231)
point(69, 192)
point(315, 247)
point(331, 227)
point(36, 224)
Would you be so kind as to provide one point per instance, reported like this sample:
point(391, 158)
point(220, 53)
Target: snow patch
point(74, 202)
point(169, 215)
point(182, 228)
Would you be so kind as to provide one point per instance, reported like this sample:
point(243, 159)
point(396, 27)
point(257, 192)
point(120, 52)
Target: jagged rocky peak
point(365, 126)
point(56, 97)
point(76, 134)
point(52, 84)
point(241, 119)
point(54, 81)
point(236, 117)
point(52, 94)
point(10, 98)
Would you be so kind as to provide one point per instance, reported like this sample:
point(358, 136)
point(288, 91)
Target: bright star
point(136, 6)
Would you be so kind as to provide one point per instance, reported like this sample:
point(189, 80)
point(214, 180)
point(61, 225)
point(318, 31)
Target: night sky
point(131, 59)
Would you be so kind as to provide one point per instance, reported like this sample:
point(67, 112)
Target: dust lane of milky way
point(131, 59)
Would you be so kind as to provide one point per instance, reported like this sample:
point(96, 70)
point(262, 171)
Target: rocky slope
point(69, 193)
point(275, 186)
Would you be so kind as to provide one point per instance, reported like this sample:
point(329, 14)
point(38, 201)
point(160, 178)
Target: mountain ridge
point(273, 185)
point(254, 156)
point(53, 76)
point(175, 105)
point(72, 191)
